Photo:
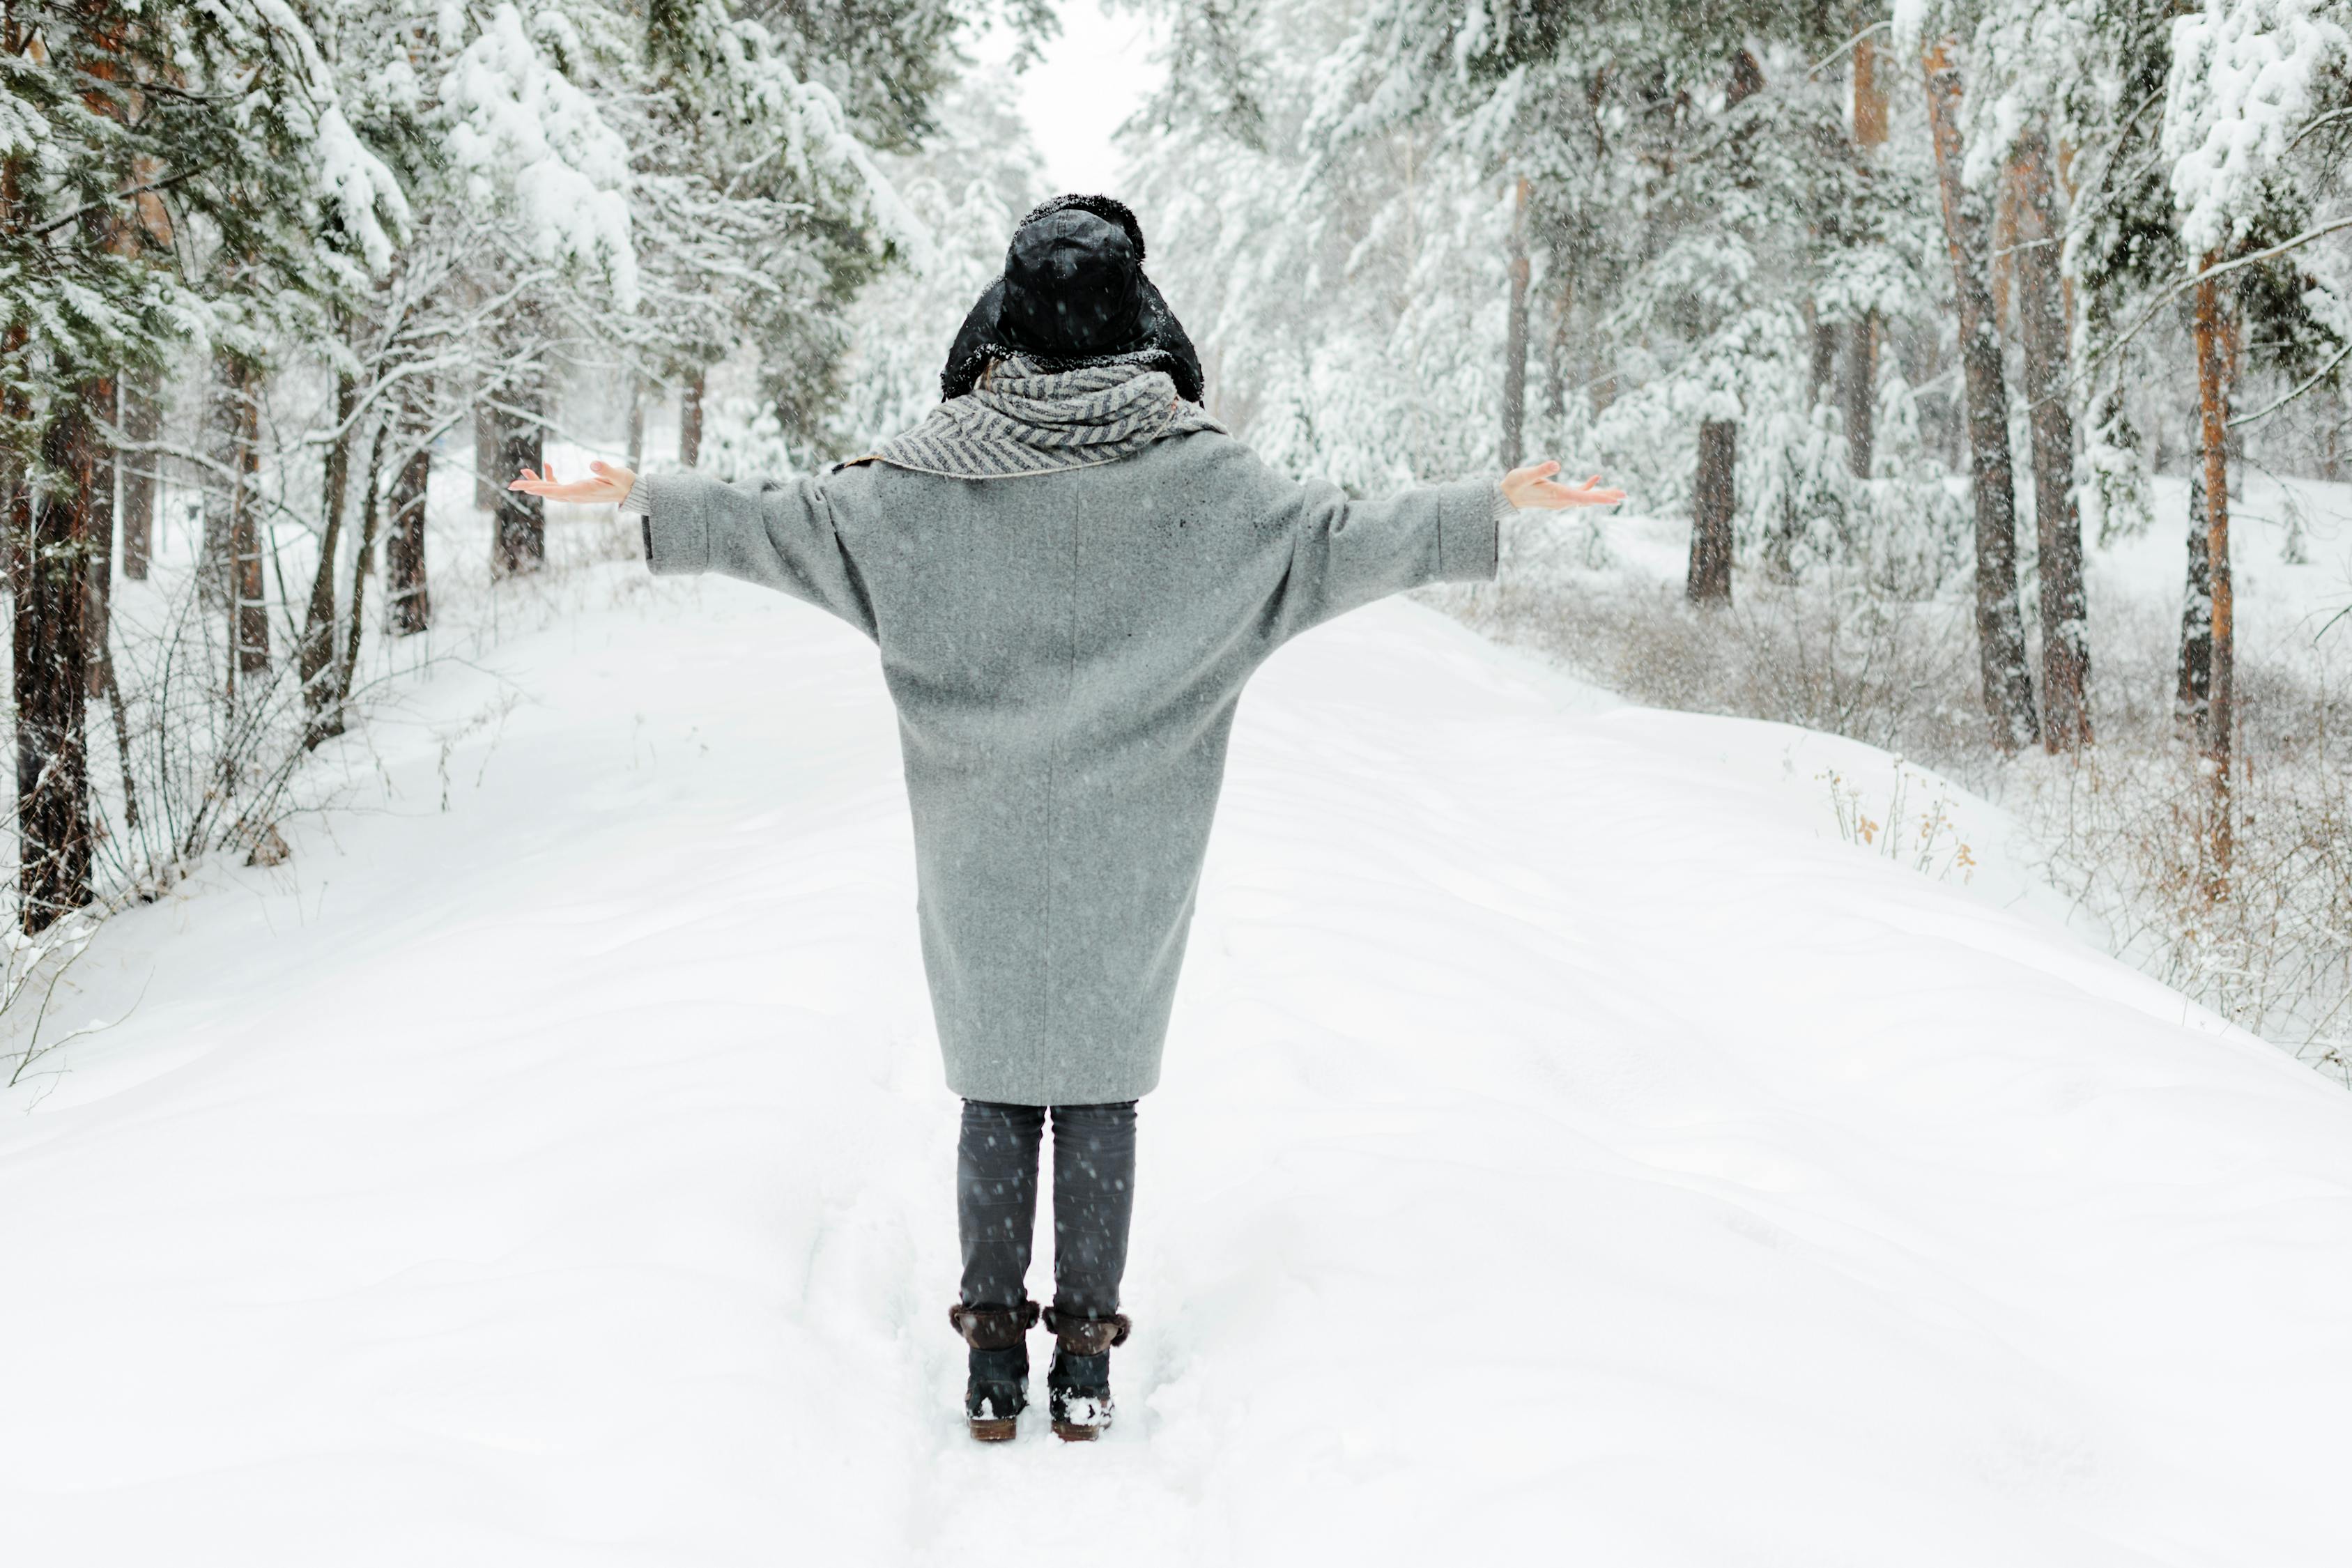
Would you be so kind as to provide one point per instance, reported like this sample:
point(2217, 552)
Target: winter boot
point(997, 1390)
point(1077, 1384)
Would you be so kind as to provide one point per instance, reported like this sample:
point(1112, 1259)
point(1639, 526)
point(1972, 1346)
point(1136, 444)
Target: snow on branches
point(526, 134)
point(2244, 75)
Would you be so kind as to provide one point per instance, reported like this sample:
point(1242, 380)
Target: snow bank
point(1572, 1148)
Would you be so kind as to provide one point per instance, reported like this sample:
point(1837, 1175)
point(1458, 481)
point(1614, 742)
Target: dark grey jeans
point(1094, 1198)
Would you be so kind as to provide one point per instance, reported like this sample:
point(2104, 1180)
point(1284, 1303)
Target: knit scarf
point(1020, 419)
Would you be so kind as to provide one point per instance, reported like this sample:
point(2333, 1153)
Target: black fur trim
point(1110, 209)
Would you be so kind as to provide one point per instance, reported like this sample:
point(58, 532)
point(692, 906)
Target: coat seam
point(1053, 763)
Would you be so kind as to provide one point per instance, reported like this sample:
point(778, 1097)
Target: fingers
point(1558, 497)
point(611, 484)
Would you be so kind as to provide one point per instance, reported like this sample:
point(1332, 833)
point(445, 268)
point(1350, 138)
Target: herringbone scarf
point(1021, 420)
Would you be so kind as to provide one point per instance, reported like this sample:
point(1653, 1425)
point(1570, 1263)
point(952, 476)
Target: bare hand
point(1534, 486)
point(612, 485)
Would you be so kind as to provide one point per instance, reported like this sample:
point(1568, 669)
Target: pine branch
point(2317, 231)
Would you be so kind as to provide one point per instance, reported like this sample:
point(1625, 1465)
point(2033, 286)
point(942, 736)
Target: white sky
point(1093, 77)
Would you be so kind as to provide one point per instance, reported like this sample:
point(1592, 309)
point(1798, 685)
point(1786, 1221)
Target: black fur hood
point(1074, 294)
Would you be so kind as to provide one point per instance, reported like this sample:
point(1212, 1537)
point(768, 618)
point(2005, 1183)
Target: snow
point(1571, 1148)
point(526, 134)
point(357, 185)
point(2243, 73)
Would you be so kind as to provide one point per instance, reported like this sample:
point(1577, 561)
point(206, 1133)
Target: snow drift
point(1571, 1148)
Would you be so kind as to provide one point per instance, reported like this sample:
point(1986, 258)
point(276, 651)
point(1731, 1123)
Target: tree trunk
point(1869, 96)
point(1858, 393)
point(520, 542)
point(637, 458)
point(1514, 335)
point(1709, 582)
point(1823, 369)
point(1858, 379)
point(690, 421)
point(315, 661)
point(2216, 368)
point(1557, 347)
point(2007, 680)
point(409, 606)
point(2196, 673)
point(141, 422)
point(51, 670)
point(362, 563)
point(250, 609)
point(489, 484)
point(225, 401)
point(2058, 528)
point(97, 580)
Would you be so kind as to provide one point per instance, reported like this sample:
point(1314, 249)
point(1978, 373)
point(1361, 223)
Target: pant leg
point(1094, 1199)
point(996, 1199)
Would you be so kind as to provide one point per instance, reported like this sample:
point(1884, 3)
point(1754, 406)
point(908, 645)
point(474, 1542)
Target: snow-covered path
point(1571, 1151)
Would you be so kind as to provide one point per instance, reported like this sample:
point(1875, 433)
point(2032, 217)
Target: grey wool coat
point(1066, 651)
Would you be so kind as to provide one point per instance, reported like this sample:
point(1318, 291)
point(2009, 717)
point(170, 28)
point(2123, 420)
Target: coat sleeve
point(777, 533)
point(1346, 553)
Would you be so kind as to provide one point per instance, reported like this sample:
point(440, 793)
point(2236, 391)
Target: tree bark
point(226, 403)
point(637, 458)
point(690, 421)
point(363, 563)
point(2196, 669)
point(1858, 377)
point(97, 580)
point(1823, 368)
point(1712, 504)
point(1514, 335)
point(51, 670)
point(1869, 96)
point(520, 540)
point(2058, 528)
point(489, 484)
point(2216, 368)
point(1556, 346)
point(315, 661)
point(2007, 680)
point(1858, 393)
point(409, 606)
point(141, 422)
point(249, 608)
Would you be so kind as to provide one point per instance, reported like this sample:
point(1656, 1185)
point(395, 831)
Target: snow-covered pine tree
point(2252, 86)
point(760, 206)
point(976, 172)
point(163, 165)
point(2006, 680)
point(1339, 192)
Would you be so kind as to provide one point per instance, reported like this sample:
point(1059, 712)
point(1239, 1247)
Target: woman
point(1070, 571)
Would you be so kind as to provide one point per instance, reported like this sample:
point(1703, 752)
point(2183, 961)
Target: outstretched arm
point(778, 535)
point(1349, 553)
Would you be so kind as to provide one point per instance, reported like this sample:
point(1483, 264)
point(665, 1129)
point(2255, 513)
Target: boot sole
point(991, 1431)
point(1070, 1433)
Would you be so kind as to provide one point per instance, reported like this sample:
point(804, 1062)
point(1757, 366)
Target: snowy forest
point(1855, 943)
point(1940, 349)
